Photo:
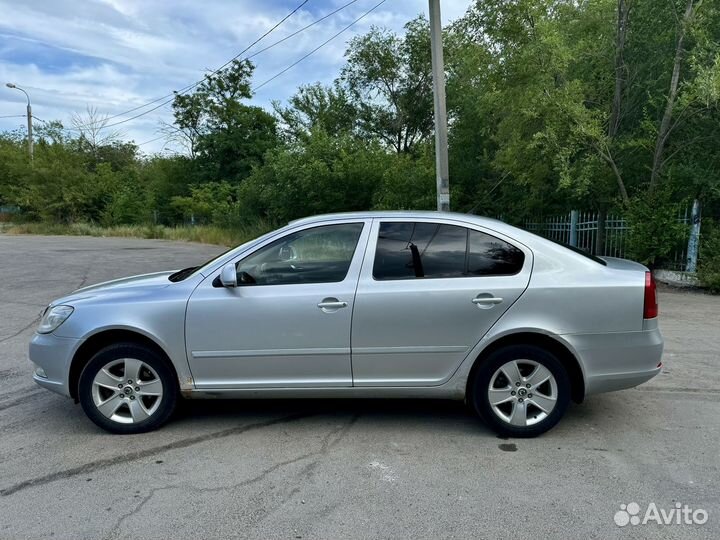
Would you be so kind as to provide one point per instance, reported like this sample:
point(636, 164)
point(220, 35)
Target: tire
point(116, 405)
point(519, 410)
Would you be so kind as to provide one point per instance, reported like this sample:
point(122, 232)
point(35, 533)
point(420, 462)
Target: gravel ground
point(332, 469)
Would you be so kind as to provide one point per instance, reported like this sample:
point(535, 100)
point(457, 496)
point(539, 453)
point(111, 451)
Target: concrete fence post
point(694, 240)
point(573, 228)
point(600, 238)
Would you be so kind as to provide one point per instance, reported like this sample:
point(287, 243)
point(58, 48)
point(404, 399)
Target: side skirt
point(433, 392)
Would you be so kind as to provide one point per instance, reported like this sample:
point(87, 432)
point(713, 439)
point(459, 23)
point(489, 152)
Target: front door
point(428, 292)
point(287, 324)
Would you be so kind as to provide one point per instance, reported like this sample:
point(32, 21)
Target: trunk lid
point(624, 264)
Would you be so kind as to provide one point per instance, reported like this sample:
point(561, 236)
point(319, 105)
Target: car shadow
point(390, 410)
point(452, 417)
point(383, 415)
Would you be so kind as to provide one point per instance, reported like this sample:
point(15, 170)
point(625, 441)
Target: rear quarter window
point(490, 256)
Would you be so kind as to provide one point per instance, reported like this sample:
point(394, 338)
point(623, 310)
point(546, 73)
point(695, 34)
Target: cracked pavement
point(334, 468)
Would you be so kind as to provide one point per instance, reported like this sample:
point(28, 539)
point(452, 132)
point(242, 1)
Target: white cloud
point(118, 54)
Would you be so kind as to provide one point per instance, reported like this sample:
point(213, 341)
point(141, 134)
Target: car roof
point(410, 214)
point(489, 223)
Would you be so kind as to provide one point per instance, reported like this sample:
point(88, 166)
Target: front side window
point(407, 250)
point(317, 255)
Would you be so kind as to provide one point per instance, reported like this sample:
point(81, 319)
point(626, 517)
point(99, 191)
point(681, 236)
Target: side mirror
point(228, 275)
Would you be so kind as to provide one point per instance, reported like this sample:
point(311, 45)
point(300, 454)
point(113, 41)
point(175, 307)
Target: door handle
point(483, 300)
point(331, 303)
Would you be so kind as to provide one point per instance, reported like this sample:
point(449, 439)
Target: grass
point(206, 234)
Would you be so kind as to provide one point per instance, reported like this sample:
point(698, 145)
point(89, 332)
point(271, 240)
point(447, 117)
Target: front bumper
point(618, 360)
point(54, 355)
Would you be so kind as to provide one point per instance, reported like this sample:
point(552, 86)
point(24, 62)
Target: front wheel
point(521, 391)
point(128, 388)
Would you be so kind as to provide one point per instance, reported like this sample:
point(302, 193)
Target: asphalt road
point(332, 469)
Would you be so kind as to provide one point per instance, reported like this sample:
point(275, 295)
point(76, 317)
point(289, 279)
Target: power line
point(321, 19)
point(14, 116)
point(151, 140)
point(193, 85)
point(319, 46)
point(293, 34)
point(136, 116)
point(185, 89)
point(171, 99)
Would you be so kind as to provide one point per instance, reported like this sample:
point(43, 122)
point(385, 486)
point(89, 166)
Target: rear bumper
point(618, 360)
point(53, 354)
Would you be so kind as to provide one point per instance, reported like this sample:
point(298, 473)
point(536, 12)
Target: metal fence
point(602, 234)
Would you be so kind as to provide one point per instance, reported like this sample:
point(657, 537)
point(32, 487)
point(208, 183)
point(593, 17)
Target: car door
point(429, 290)
point(287, 323)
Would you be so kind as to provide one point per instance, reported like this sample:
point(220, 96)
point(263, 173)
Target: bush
point(322, 174)
point(654, 228)
point(212, 202)
point(206, 234)
point(408, 183)
point(709, 260)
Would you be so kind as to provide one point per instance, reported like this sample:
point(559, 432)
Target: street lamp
point(29, 117)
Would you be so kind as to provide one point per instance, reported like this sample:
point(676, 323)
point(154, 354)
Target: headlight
point(53, 317)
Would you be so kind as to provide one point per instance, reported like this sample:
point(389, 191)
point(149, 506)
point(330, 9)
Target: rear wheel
point(521, 391)
point(128, 388)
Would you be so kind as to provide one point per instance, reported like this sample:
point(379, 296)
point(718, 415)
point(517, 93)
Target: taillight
point(650, 309)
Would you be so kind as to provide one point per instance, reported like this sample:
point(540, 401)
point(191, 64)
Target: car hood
point(117, 286)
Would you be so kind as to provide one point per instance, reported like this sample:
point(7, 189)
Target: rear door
point(429, 290)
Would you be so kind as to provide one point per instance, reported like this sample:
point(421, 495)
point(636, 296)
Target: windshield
point(187, 272)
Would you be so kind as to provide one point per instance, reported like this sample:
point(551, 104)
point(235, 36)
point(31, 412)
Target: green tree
point(314, 107)
point(320, 174)
point(408, 182)
point(389, 80)
point(227, 137)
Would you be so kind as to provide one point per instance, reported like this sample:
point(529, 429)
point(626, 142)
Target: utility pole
point(29, 118)
point(29, 130)
point(442, 173)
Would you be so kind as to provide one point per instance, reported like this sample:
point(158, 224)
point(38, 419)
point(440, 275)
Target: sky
point(115, 55)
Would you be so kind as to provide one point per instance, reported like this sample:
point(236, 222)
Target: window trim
point(467, 226)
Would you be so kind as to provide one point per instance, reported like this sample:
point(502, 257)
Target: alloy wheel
point(522, 392)
point(127, 390)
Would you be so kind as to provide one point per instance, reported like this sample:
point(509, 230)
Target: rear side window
point(407, 250)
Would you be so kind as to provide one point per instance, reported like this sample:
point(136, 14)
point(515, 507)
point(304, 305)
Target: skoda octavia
point(375, 304)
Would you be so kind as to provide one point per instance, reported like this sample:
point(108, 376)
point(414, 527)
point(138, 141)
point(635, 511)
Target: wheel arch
point(556, 347)
point(102, 339)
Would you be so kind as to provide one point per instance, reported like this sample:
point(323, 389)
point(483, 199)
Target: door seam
point(352, 312)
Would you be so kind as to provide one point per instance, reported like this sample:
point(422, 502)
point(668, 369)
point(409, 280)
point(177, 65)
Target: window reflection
point(408, 250)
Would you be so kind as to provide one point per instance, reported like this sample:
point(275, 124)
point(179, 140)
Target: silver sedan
point(374, 304)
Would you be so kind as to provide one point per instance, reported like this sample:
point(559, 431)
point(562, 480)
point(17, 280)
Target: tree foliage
point(227, 137)
point(317, 107)
point(389, 80)
point(553, 104)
